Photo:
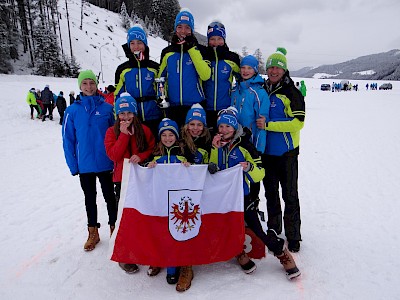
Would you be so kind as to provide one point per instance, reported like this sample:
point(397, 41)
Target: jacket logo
point(97, 113)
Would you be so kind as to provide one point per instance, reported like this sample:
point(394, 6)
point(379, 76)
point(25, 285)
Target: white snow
point(348, 184)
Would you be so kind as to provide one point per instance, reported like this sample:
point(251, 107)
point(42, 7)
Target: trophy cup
point(162, 102)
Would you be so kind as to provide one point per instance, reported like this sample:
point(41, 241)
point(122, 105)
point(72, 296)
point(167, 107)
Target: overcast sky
point(314, 32)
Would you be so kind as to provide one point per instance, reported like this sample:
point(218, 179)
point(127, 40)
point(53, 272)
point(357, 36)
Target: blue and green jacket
point(137, 78)
point(251, 102)
point(184, 72)
point(172, 155)
point(224, 67)
point(240, 150)
point(287, 113)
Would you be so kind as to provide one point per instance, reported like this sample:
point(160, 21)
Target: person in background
point(61, 106)
point(71, 97)
point(184, 68)
point(169, 150)
point(109, 96)
point(231, 147)
point(48, 102)
point(287, 113)
point(31, 100)
point(137, 77)
point(224, 67)
point(303, 88)
point(128, 138)
point(83, 132)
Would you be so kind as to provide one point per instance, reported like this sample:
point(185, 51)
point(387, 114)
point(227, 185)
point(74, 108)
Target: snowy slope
point(349, 183)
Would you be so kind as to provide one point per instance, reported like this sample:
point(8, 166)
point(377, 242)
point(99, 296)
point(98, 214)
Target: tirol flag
point(173, 215)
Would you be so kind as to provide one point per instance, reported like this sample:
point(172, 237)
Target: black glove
point(190, 42)
point(75, 174)
point(212, 168)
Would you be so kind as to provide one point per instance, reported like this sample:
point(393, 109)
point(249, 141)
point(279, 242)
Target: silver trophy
point(161, 83)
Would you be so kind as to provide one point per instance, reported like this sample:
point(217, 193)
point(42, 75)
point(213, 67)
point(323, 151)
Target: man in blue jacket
point(85, 124)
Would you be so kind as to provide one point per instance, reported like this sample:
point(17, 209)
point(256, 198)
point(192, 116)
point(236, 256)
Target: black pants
point(178, 114)
point(88, 184)
point(153, 126)
point(34, 107)
point(47, 107)
point(253, 222)
point(283, 171)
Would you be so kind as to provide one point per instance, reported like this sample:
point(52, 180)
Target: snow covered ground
point(349, 186)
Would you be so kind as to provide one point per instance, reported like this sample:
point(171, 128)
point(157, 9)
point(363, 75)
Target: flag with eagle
point(173, 215)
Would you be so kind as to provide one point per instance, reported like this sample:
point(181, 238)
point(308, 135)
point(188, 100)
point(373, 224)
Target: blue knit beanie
point(125, 103)
point(184, 17)
point(251, 61)
point(136, 33)
point(228, 116)
point(168, 124)
point(216, 29)
point(196, 112)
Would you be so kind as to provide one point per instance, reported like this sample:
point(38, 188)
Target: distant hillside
point(381, 66)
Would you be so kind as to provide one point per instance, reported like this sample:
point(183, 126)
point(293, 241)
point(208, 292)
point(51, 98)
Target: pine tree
point(245, 51)
point(125, 21)
point(165, 12)
point(261, 66)
point(5, 46)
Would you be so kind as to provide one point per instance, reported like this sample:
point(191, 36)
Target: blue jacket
point(137, 78)
point(184, 71)
point(173, 155)
point(85, 124)
point(224, 66)
point(252, 101)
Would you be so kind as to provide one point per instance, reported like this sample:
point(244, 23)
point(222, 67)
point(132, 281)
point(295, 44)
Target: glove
point(212, 168)
point(190, 42)
point(75, 174)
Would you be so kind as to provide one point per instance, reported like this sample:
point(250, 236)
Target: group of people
point(45, 101)
point(256, 123)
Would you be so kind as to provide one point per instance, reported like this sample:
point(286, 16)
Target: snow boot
point(51, 117)
point(248, 266)
point(173, 275)
point(153, 271)
point(92, 239)
point(288, 263)
point(129, 268)
point(185, 279)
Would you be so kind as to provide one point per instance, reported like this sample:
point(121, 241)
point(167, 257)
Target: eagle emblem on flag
point(185, 216)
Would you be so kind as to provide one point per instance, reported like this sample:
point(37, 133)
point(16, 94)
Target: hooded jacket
point(83, 131)
point(31, 98)
point(287, 115)
point(47, 96)
point(137, 78)
point(251, 102)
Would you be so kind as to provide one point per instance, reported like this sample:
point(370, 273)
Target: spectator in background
point(31, 100)
point(48, 103)
point(303, 88)
point(71, 97)
point(109, 96)
point(61, 105)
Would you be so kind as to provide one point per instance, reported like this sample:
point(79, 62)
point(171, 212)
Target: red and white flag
point(173, 215)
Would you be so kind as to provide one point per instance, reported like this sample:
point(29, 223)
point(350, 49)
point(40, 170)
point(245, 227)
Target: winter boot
point(173, 275)
point(185, 279)
point(92, 240)
point(112, 228)
point(248, 266)
point(32, 118)
point(129, 268)
point(153, 271)
point(288, 263)
point(51, 117)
